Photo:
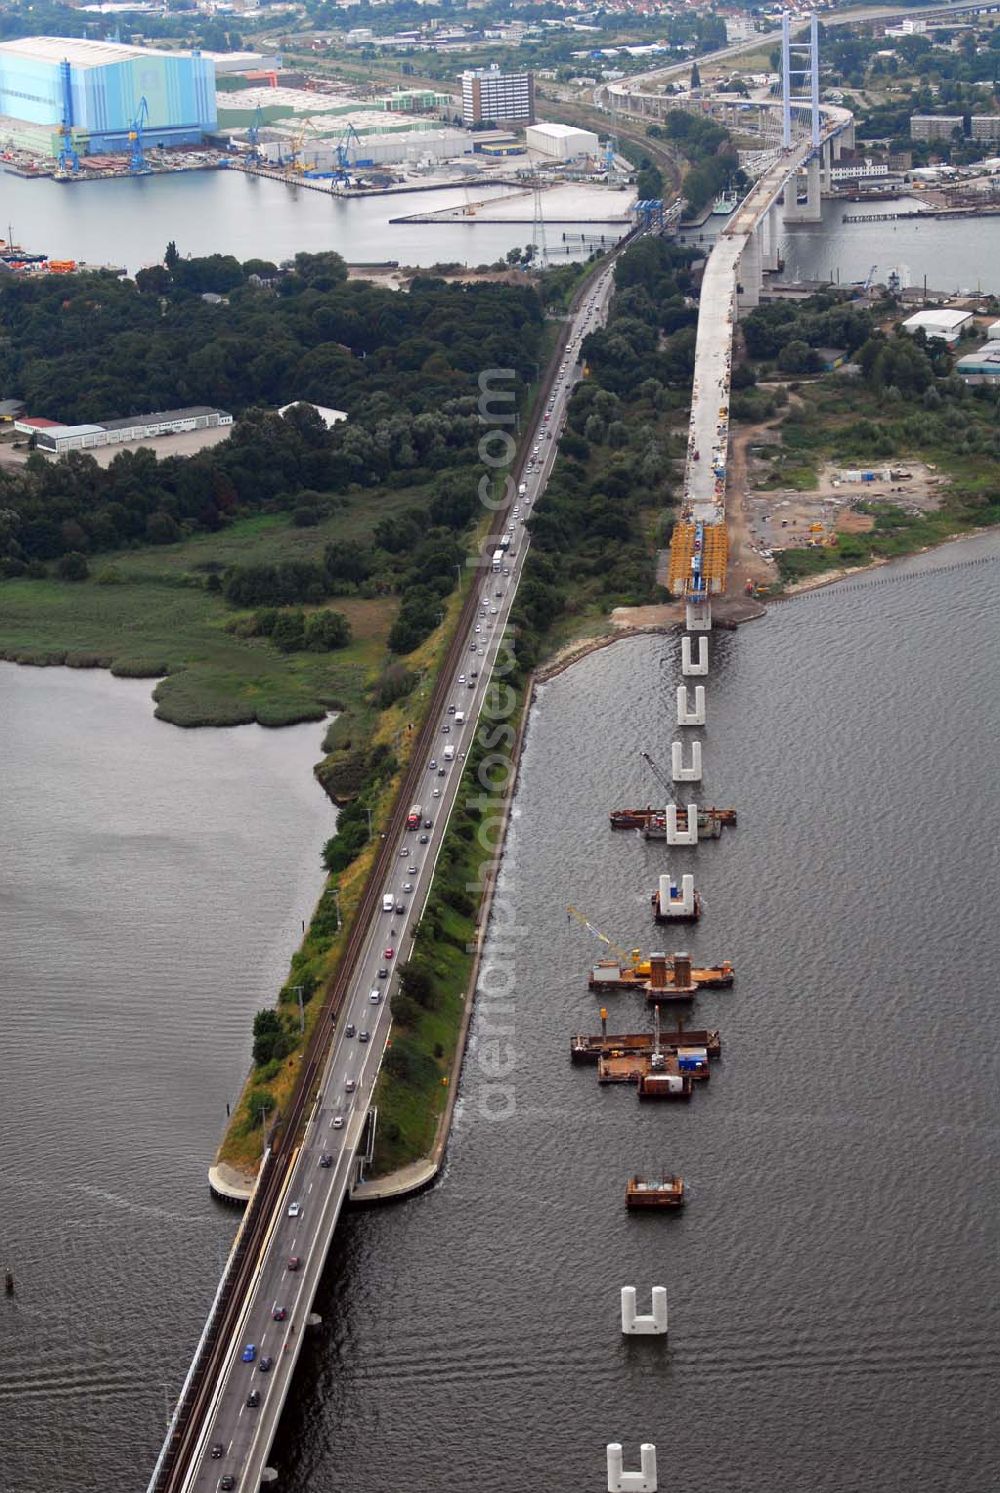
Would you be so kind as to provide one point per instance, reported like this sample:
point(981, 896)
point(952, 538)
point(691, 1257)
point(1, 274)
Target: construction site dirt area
point(786, 519)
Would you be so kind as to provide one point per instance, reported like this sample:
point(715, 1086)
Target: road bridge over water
point(812, 136)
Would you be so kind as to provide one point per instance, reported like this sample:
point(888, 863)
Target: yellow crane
point(627, 956)
point(307, 128)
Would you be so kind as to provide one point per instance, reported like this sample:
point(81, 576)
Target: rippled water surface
point(834, 1279)
point(152, 887)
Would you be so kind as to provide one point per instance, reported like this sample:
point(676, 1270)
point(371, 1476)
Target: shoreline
point(418, 1175)
point(833, 577)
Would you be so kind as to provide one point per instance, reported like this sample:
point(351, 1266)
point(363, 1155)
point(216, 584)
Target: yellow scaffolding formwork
point(714, 559)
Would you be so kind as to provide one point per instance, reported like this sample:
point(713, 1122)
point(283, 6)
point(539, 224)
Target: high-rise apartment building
point(490, 96)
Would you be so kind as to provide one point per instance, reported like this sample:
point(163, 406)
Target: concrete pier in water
point(688, 714)
point(692, 772)
point(678, 836)
point(650, 1324)
point(689, 664)
point(643, 1481)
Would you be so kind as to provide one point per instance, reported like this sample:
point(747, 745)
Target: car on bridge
point(338, 1124)
point(266, 1364)
point(218, 1450)
point(294, 1209)
point(294, 1261)
point(249, 1353)
point(326, 1159)
point(253, 1399)
point(280, 1313)
point(227, 1482)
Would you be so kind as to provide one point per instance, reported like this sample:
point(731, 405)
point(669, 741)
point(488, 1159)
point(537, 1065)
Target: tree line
point(403, 367)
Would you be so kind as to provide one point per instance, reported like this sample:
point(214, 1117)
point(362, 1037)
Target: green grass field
point(158, 618)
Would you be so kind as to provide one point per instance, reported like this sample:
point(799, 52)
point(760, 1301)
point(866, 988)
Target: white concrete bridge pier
point(649, 1324)
point(643, 1481)
point(769, 236)
point(690, 663)
point(811, 210)
point(678, 771)
point(751, 276)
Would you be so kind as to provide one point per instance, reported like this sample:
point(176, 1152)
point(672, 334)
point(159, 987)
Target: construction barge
point(609, 975)
point(590, 1049)
point(661, 1068)
point(653, 822)
point(648, 1192)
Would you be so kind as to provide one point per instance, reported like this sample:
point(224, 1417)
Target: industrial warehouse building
point(54, 438)
point(561, 141)
point(946, 325)
point(982, 367)
point(95, 88)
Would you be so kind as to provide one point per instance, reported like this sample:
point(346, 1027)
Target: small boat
point(654, 1192)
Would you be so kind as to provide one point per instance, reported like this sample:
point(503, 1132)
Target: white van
point(459, 717)
point(449, 754)
point(388, 902)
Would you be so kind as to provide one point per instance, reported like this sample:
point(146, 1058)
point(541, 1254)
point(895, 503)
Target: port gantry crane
point(137, 159)
point(69, 161)
point(253, 134)
point(342, 175)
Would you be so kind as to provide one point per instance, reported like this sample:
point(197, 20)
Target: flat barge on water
point(586, 1048)
point(612, 974)
point(654, 1192)
point(711, 821)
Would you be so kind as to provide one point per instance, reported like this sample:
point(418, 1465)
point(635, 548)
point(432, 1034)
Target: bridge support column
point(677, 836)
point(643, 1481)
point(810, 211)
point(814, 203)
point(678, 771)
point(690, 664)
point(688, 714)
point(825, 167)
point(750, 275)
point(674, 901)
point(654, 1324)
point(773, 261)
point(698, 616)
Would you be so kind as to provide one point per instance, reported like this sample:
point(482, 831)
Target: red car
point(388, 953)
